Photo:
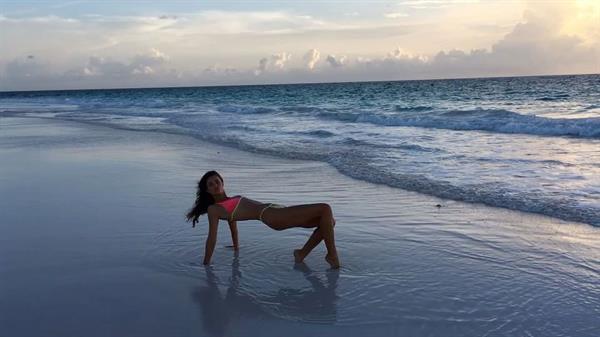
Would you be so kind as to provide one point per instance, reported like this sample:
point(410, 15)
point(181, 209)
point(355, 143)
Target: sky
point(124, 44)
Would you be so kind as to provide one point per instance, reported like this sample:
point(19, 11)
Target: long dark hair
point(203, 198)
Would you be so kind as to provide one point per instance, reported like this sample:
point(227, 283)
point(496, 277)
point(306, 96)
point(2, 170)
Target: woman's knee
point(327, 213)
point(326, 209)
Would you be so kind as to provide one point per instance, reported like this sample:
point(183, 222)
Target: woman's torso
point(246, 209)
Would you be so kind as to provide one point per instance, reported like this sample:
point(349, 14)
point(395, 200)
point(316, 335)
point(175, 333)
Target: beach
point(93, 242)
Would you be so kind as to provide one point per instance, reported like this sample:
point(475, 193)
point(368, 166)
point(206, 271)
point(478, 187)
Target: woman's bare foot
point(298, 256)
point(333, 261)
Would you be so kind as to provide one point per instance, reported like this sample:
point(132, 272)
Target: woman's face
point(214, 185)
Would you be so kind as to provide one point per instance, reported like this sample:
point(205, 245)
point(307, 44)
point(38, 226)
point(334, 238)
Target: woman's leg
point(305, 216)
point(312, 242)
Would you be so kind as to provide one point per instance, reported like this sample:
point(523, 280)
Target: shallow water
point(93, 242)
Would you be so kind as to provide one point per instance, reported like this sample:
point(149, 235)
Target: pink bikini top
point(231, 204)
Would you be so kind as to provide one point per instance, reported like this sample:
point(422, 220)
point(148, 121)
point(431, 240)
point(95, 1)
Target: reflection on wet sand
point(220, 314)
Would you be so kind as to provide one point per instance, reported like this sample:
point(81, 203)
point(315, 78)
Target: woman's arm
point(211, 240)
point(234, 234)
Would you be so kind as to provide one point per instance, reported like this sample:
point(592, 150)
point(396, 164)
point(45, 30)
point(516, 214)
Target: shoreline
point(567, 215)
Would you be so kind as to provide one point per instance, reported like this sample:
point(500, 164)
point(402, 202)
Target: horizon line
point(298, 83)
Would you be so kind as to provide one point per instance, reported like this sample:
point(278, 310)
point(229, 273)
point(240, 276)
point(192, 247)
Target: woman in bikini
point(212, 199)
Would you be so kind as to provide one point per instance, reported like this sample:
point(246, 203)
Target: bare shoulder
point(216, 211)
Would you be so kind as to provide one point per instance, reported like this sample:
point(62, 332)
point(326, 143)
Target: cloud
point(401, 54)
point(148, 69)
point(219, 22)
point(548, 39)
point(336, 62)
point(434, 4)
point(27, 68)
point(217, 70)
point(274, 62)
point(99, 66)
point(533, 47)
point(279, 60)
point(537, 45)
point(38, 19)
point(262, 66)
point(168, 17)
point(147, 63)
point(395, 15)
point(141, 64)
point(311, 58)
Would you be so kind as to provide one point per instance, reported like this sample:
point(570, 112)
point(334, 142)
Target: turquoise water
point(528, 143)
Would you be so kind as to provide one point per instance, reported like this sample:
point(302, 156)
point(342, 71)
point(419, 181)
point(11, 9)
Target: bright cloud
point(311, 58)
point(395, 15)
point(149, 63)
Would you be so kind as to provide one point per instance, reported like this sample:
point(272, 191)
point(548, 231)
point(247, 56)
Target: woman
point(212, 199)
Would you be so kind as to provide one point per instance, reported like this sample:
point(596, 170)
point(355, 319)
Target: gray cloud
point(99, 66)
point(216, 70)
point(25, 69)
point(149, 69)
point(262, 65)
point(336, 62)
point(274, 62)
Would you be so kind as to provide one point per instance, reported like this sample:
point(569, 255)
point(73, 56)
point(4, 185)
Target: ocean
point(523, 143)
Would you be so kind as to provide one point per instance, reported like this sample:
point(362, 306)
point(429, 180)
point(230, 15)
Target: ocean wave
point(490, 120)
point(488, 194)
point(241, 109)
point(405, 146)
point(303, 109)
point(312, 133)
point(321, 133)
point(590, 107)
point(478, 119)
point(400, 108)
point(557, 97)
point(547, 162)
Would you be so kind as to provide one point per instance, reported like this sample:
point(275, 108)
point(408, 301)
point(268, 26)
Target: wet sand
point(93, 242)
